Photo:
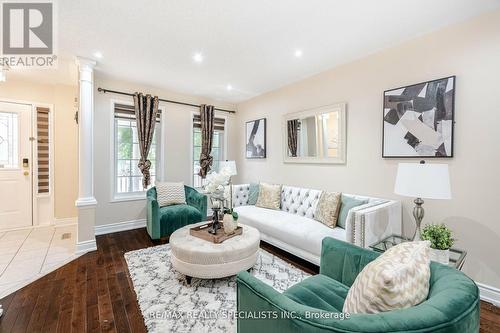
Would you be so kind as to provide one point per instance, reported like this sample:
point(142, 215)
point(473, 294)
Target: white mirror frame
point(341, 158)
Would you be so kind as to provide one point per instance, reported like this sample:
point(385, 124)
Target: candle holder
point(215, 221)
point(216, 209)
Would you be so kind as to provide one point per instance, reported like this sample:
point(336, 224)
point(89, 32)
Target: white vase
point(441, 256)
point(229, 224)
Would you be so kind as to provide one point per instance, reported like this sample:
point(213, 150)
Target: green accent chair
point(163, 221)
point(452, 304)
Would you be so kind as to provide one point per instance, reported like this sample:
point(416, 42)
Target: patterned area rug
point(168, 304)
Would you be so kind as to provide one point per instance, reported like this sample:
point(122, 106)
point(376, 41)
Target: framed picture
point(256, 138)
point(418, 120)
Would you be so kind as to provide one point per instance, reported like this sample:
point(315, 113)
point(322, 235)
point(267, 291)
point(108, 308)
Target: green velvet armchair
point(162, 221)
point(452, 304)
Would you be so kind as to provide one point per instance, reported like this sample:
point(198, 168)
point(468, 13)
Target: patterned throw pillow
point(327, 210)
point(170, 194)
point(269, 196)
point(398, 279)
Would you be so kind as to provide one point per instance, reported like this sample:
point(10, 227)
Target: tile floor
point(28, 254)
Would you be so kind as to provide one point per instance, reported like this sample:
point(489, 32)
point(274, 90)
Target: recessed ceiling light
point(98, 55)
point(198, 57)
point(298, 53)
point(229, 87)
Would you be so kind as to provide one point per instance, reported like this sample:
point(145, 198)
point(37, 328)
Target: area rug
point(169, 304)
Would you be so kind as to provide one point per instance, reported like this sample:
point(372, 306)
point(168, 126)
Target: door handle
point(26, 173)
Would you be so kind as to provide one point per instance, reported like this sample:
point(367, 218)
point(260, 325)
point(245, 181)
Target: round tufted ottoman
point(199, 258)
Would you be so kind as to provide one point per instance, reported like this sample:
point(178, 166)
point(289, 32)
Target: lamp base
point(418, 214)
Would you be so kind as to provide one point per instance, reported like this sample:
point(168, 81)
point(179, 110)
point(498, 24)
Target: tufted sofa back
point(299, 201)
point(240, 194)
point(294, 200)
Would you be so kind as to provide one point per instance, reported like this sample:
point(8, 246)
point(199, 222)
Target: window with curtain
point(127, 176)
point(217, 147)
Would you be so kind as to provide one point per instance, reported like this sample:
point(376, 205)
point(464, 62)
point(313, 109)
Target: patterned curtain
point(207, 133)
point(146, 110)
point(293, 127)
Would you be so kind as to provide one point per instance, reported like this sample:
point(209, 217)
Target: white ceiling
point(248, 44)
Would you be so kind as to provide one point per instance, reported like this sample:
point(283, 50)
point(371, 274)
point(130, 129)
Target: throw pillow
point(347, 204)
point(269, 196)
point(398, 279)
point(170, 194)
point(253, 194)
point(327, 210)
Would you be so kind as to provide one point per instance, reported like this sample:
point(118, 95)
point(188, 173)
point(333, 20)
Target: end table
point(457, 256)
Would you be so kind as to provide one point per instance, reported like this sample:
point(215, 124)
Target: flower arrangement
point(439, 235)
point(216, 183)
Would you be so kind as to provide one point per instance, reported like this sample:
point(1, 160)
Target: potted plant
point(230, 221)
point(441, 241)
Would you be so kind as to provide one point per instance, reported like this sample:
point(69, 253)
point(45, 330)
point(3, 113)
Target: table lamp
point(422, 181)
point(231, 166)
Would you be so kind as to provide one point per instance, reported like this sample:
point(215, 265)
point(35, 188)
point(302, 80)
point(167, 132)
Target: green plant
point(231, 212)
point(439, 235)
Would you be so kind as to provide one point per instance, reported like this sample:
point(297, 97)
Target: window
point(9, 137)
point(43, 151)
point(218, 147)
point(128, 177)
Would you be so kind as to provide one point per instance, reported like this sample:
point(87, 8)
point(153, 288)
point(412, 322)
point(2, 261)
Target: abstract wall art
point(256, 138)
point(419, 119)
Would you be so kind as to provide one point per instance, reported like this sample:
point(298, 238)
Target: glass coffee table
point(457, 256)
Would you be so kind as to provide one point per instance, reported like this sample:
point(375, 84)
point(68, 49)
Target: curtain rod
point(160, 99)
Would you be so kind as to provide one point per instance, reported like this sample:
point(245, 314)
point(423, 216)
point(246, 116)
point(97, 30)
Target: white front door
point(15, 166)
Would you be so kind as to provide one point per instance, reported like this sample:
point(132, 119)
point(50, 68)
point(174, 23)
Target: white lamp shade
point(230, 165)
point(427, 181)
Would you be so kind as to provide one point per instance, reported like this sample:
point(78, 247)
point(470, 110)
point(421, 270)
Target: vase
point(229, 224)
point(441, 256)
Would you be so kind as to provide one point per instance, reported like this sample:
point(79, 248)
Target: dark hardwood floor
point(94, 293)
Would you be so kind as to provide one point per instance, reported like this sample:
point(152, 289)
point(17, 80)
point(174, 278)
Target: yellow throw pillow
point(328, 208)
point(269, 196)
point(398, 279)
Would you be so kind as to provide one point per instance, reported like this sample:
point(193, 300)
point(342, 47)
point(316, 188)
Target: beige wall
point(65, 136)
point(176, 146)
point(471, 51)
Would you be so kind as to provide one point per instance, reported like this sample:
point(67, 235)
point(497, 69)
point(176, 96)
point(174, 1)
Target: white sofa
point(294, 229)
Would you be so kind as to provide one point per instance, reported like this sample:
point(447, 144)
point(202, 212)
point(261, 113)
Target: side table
point(457, 256)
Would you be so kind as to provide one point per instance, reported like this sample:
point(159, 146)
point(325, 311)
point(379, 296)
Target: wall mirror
point(315, 136)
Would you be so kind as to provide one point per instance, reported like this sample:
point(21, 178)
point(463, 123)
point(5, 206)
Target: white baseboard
point(489, 294)
point(66, 221)
point(85, 246)
point(119, 226)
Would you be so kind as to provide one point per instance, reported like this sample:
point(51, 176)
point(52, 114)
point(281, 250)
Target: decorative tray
point(201, 231)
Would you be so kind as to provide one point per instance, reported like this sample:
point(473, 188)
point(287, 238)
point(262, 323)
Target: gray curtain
point(207, 133)
point(146, 109)
point(293, 127)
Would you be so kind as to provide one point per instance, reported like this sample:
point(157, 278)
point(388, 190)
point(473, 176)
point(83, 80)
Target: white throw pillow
point(170, 194)
point(398, 279)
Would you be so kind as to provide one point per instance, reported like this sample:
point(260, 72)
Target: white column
point(86, 133)
point(86, 201)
